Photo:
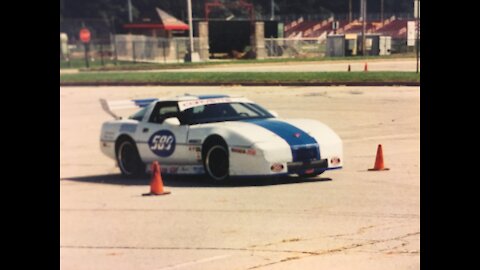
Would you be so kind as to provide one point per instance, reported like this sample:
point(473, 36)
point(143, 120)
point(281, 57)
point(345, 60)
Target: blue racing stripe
point(304, 147)
point(144, 102)
point(212, 96)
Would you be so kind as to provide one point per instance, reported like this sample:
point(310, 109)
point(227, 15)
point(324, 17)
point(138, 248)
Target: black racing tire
point(128, 159)
point(216, 163)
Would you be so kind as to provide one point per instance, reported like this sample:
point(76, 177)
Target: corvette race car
point(218, 135)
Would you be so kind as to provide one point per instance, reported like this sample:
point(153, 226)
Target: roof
point(188, 101)
point(184, 102)
point(188, 96)
point(163, 21)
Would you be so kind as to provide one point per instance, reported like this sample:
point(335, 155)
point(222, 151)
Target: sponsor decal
point(277, 167)
point(198, 169)
point(108, 135)
point(238, 150)
point(194, 149)
point(248, 151)
point(162, 143)
point(184, 105)
point(128, 128)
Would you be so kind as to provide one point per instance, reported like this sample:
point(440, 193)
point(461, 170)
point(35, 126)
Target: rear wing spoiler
point(111, 106)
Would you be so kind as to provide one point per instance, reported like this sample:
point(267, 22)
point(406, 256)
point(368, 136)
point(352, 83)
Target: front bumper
point(301, 167)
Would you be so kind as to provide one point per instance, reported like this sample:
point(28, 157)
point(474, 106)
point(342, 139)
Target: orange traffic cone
point(365, 68)
point(156, 184)
point(379, 166)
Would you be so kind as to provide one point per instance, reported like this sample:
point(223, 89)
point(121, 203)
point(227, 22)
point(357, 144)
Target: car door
point(158, 140)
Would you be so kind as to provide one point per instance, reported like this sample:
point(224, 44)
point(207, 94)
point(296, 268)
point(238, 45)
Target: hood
point(247, 132)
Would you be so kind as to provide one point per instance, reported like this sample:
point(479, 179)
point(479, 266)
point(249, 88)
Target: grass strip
point(240, 77)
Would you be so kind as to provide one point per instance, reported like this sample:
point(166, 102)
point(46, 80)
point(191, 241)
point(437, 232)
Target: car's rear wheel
point(216, 163)
point(129, 160)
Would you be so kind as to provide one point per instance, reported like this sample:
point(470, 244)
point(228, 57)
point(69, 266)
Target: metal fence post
point(86, 45)
point(115, 56)
point(133, 52)
point(417, 41)
point(68, 60)
point(101, 53)
point(176, 50)
point(164, 53)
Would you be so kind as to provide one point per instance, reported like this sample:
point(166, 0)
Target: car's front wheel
point(216, 162)
point(129, 160)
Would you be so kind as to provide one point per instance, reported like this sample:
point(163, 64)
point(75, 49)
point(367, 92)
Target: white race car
point(222, 136)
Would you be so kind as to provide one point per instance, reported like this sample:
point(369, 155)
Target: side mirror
point(274, 113)
point(172, 121)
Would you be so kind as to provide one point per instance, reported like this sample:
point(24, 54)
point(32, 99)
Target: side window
point(167, 110)
point(162, 111)
point(138, 115)
point(242, 110)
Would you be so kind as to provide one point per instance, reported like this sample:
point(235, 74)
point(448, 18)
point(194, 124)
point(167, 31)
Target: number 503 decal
point(162, 143)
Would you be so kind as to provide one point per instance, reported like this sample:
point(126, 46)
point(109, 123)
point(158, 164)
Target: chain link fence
point(128, 49)
point(293, 48)
point(151, 49)
point(108, 48)
point(122, 49)
point(97, 52)
point(316, 47)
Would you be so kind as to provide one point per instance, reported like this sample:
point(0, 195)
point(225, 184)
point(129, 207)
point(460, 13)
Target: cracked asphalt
point(345, 219)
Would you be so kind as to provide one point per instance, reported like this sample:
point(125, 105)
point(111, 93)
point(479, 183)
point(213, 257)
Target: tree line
point(118, 9)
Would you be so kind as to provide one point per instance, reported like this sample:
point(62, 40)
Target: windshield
point(223, 112)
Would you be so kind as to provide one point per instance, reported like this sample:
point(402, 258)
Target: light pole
point(381, 11)
point(190, 27)
point(130, 18)
point(272, 10)
point(417, 43)
point(364, 24)
point(349, 11)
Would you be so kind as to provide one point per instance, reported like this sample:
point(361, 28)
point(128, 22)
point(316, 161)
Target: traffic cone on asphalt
point(365, 68)
point(156, 184)
point(349, 68)
point(379, 166)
